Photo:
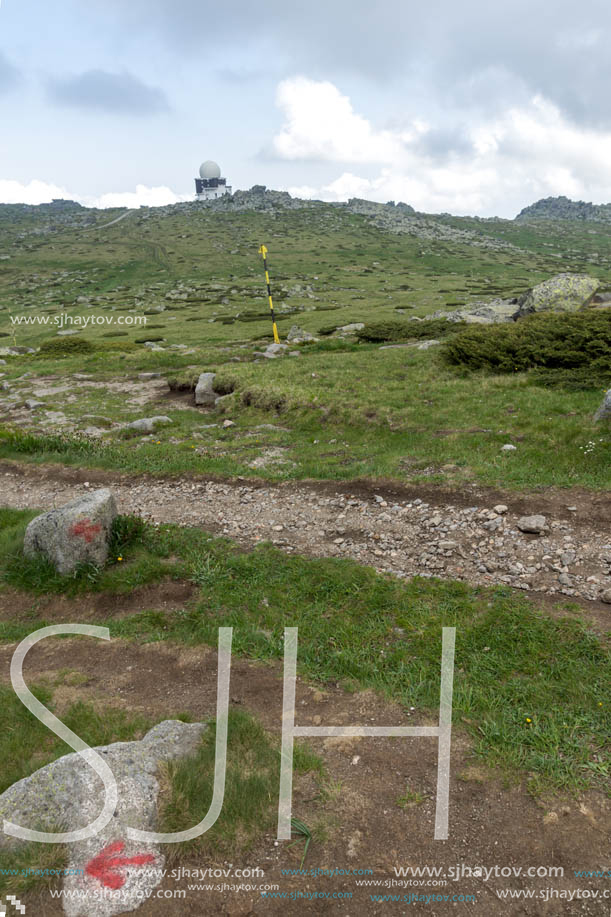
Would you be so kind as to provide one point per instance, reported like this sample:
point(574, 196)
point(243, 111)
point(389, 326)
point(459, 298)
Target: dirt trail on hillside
point(404, 531)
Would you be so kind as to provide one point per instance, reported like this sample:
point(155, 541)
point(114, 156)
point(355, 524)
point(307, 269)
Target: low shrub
point(65, 347)
point(551, 342)
point(393, 330)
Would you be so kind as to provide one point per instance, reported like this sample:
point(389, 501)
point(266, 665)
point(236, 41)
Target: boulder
point(68, 794)
point(76, 533)
point(604, 411)
point(148, 424)
point(204, 390)
point(562, 293)
point(532, 524)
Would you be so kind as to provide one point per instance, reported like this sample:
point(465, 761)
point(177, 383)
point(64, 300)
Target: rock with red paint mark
point(74, 534)
point(109, 873)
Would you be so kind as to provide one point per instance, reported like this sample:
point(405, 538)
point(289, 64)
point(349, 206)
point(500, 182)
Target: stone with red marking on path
point(74, 534)
point(109, 873)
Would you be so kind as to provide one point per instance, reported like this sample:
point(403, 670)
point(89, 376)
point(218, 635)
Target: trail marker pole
point(263, 252)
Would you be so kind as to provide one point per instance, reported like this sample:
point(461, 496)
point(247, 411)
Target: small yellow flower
point(600, 703)
point(158, 442)
point(119, 558)
point(528, 719)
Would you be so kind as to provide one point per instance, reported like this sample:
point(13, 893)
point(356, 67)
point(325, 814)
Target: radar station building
point(210, 185)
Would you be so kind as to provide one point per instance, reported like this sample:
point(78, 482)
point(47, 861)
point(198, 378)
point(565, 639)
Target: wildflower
point(528, 719)
point(119, 557)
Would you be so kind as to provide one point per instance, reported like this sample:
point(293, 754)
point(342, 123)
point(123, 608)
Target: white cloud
point(40, 192)
point(522, 154)
point(321, 124)
point(36, 192)
point(141, 197)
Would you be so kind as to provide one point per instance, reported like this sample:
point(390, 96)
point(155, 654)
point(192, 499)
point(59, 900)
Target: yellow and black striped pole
point(263, 251)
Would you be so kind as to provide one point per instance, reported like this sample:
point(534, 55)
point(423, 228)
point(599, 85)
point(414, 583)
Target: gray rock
point(77, 533)
point(489, 313)
point(533, 524)
point(204, 390)
point(297, 335)
point(606, 596)
point(604, 411)
point(31, 404)
point(349, 329)
point(225, 402)
point(68, 794)
point(15, 351)
point(68, 331)
point(508, 447)
point(424, 345)
point(146, 376)
point(275, 350)
point(562, 293)
point(148, 424)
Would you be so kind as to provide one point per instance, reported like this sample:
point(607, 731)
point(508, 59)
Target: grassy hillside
point(193, 274)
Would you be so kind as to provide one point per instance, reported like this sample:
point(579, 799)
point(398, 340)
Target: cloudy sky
point(472, 107)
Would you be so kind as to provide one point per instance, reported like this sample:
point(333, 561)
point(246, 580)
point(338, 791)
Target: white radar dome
point(209, 169)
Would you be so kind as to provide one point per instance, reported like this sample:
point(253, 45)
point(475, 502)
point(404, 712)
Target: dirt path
point(365, 819)
point(408, 531)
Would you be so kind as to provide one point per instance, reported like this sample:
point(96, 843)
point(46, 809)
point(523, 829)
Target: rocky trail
point(539, 543)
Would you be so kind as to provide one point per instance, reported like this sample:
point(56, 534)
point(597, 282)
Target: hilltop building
point(210, 185)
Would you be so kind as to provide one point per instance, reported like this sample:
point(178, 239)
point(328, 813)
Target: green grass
point(514, 663)
point(250, 804)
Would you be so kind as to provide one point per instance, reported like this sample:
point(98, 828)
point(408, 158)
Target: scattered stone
point(31, 404)
point(489, 313)
point(15, 351)
point(508, 447)
point(297, 335)
point(146, 376)
point(424, 345)
point(350, 329)
point(275, 350)
point(67, 331)
point(500, 508)
point(148, 424)
point(74, 534)
point(204, 390)
point(532, 524)
point(228, 423)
